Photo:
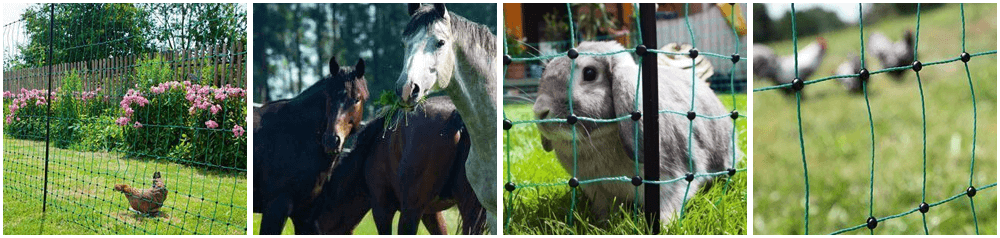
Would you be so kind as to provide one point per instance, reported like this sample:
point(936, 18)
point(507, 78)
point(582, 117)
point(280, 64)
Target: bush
point(183, 122)
point(191, 123)
point(25, 115)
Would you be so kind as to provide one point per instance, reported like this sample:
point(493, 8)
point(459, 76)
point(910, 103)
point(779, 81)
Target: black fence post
point(48, 117)
point(651, 125)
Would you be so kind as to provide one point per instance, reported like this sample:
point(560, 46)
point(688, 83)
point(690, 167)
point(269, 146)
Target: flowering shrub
point(183, 122)
point(192, 118)
point(24, 113)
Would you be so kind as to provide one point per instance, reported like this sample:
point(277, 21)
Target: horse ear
point(360, 66)
point(413, 8)
point(333, 65)
point(439, 7)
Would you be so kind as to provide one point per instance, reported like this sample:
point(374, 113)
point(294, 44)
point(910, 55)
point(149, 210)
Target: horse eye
point(440, 43)
point(589, 74)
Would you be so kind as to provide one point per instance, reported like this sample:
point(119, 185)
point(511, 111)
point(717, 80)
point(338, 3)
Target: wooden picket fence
point(116, 73)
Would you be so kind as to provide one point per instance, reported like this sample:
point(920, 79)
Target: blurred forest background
point(120, 29)
point(812, 21)
point(294, 42)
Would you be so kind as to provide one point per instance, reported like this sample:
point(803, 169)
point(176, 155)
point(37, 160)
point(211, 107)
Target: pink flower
point(215, 109)
point(122, 121)
point(137, 125)
point(238, 131)
point(157, 89)
point(211, 124)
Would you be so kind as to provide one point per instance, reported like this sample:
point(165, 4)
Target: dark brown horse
point(296, 143)
point(416, 167)
point(421, 171)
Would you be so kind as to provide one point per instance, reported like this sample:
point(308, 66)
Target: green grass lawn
point(838, 141)
point(543, 210)
point(367, 225)
point(81, 199)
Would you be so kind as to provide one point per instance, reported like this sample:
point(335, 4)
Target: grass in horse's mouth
point(389, 104)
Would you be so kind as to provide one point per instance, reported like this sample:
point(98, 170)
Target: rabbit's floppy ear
point(624, 74)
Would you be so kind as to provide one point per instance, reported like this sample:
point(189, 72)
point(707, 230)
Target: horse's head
point(429, 61)
point(345, 105)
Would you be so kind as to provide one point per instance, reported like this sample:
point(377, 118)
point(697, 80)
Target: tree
point(84, 32)
point(181, 26)
point(762, 25)
point(293, 48)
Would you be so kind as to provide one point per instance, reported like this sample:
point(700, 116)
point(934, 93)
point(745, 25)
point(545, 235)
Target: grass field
point(81, 199)
point(838, 141)
point(543, 210)
point(367, 225)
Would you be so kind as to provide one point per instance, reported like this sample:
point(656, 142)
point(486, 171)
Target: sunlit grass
point(838, 140)
point(543, 210)
point(81, 199)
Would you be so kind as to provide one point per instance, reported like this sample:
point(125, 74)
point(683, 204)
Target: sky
point(848, 12)
point(12, 11)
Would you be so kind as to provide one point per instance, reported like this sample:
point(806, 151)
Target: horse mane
point(313, 89)
point(479, 33)
point(424, 16)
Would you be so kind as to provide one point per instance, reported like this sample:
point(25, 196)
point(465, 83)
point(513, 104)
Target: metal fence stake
point(651, 124)
point(48, 118)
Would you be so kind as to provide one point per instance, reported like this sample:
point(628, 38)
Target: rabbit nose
point(542, 114)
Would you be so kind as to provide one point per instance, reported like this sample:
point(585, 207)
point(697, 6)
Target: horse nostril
point(415, 92)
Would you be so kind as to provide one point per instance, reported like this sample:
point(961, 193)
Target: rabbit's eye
point(440, 43)
point(589, 74)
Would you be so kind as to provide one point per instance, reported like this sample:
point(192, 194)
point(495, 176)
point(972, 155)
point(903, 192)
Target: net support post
point(48, 111)
point(650, 122)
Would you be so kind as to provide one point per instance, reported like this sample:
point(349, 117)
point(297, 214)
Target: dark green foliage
point(763, 26)
point(305, 36)
point(67, 111)
point(118, 28)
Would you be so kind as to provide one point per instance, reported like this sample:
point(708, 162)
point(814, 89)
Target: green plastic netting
point(872, 221)
point(514, 186)
point(97, 95)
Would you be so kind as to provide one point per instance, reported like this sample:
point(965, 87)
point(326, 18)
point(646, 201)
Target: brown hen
point(145, 201)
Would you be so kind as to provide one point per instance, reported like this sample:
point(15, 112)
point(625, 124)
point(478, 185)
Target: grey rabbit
point(605, 87)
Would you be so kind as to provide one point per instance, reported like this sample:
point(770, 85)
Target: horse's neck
point(473, 90)
point(305, 107)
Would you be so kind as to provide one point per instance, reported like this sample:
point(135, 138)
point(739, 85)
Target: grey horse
point(446, 52)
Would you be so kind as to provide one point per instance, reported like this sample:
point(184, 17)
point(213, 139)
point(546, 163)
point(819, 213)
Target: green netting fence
point(651, 181)
point(871, 221)
point(714, 35)
point(97, 95)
